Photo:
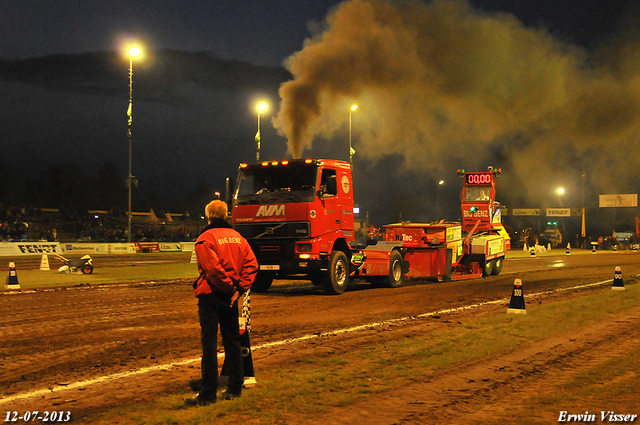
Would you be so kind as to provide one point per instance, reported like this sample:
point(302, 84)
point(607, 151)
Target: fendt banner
point(558, 212)
point(8, 249)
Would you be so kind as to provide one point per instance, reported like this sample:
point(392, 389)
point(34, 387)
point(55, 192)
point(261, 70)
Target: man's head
point(216, 209)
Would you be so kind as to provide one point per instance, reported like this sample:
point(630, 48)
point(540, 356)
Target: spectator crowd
point(24, 223)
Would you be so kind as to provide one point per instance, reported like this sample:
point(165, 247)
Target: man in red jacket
point(227, 268)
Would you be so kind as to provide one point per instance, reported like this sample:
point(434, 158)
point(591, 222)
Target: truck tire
point(396, 270)
point(487, 269)
point(337, 277)
point(262, 283)
point(497, 266)
point(396, 273)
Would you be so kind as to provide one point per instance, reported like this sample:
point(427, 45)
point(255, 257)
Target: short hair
point(216, 209)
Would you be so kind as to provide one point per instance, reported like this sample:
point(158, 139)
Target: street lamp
point(133, 52)
point(262, 107)
point(351, 151)
point(583, 231)
point(440, 183)
point(560, 191)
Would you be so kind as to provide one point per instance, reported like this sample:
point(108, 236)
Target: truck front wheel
point(337, 277)
point(262, 283)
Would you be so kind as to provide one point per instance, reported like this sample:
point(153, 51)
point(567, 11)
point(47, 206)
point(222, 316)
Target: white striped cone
point(44, 262)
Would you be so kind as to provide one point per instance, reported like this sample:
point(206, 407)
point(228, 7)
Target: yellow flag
point(258, 136)
point(129, 113)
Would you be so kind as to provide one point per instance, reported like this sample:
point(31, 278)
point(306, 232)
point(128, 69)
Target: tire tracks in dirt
point(492, 387)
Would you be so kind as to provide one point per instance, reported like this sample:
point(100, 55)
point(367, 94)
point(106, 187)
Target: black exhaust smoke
point(441, 83)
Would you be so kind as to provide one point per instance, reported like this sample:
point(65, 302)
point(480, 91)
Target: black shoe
point(227, 395)
point(199, 401)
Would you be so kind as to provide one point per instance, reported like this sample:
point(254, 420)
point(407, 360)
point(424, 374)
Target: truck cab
point(297, 215)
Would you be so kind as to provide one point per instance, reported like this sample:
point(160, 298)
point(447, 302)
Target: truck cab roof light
point(265, 163)
point(274, 163)
point(285, 162)
point(308, 161)
point(244, 165)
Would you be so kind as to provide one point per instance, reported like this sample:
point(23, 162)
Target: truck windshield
point(294, 182)
point(477, 193)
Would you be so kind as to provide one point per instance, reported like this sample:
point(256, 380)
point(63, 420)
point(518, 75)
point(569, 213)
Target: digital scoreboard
point(479, 178)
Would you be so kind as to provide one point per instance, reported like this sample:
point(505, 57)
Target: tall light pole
point(133, 52)
point(440, 183)
point(560, 191)
point(262, 107)
point(583, 231)
point(351, 151)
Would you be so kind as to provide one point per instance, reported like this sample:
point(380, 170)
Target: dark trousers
point(213, 310)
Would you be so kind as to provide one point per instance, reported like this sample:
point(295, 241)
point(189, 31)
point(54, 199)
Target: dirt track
point(53, 339)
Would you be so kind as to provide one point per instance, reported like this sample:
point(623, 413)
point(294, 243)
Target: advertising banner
point(525, 211)
point(147, 247)
point(85, 248)
point(170, 247)
point(122, 248)
point(188, 246)
point(9, 249)
point(630, 200)
point(558, 212)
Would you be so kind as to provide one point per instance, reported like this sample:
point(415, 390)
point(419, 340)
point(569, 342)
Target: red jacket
point(225, 260)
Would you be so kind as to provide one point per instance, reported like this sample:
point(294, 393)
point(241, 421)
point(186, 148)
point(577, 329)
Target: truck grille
point(274, 230)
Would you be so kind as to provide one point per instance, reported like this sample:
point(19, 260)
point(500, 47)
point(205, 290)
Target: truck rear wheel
point(337, 277)
point(396, 270)
point(497, 266)
point(262, 283)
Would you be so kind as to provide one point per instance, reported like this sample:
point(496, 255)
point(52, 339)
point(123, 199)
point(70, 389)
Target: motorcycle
point(81, 265)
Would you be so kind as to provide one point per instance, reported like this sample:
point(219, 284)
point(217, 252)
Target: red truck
point(298, 217)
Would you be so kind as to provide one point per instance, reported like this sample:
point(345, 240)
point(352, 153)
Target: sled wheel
point(87, 269)
point(337, 277)
point(497, 266)
point(262, 283)
point(488, 268)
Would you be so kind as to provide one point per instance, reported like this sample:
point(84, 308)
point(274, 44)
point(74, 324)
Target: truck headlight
point(304, 247)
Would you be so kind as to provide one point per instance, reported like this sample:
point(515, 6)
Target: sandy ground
point(59, 344)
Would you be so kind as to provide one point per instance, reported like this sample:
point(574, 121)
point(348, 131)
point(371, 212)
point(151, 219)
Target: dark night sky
point(260, 32)
point(177, 144)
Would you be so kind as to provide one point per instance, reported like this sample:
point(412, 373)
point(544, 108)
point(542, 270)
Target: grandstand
point(53, 224)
